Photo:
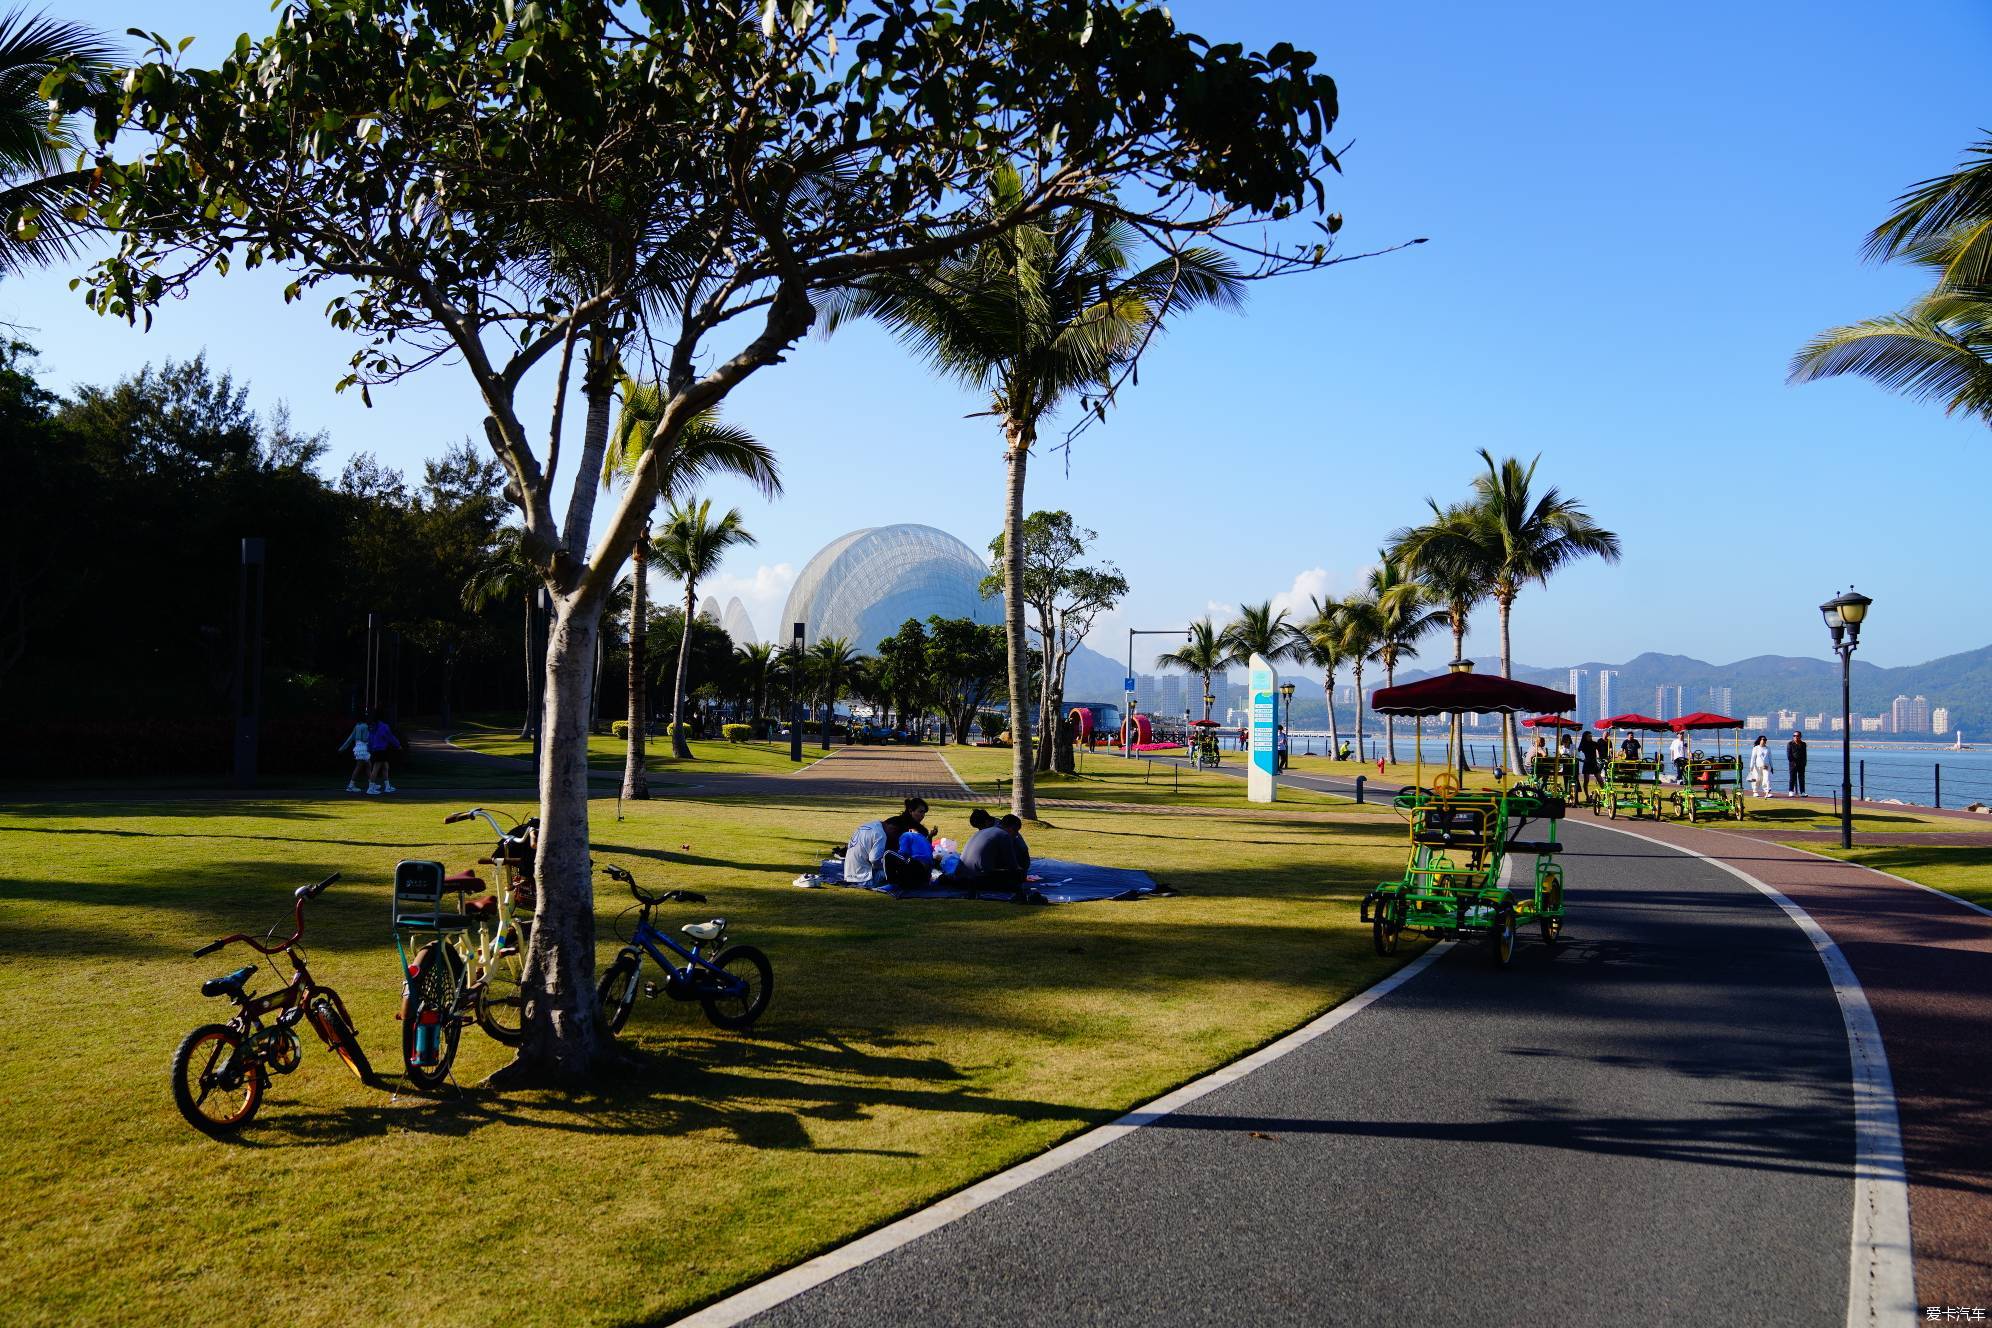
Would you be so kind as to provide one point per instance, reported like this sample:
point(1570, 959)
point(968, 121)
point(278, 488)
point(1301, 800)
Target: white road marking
point(786, 1286)
point(1881, 1286)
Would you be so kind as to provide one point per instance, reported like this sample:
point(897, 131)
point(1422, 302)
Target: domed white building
point(865, 584)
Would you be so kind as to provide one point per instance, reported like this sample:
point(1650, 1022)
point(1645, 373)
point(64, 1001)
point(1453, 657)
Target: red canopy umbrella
point(1205, 724)
point(1702, 719)
point(1551, 722)
point(1642, 723)
point(1468, 693)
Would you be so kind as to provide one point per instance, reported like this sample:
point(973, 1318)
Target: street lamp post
point(1286, 692)
point(1844, 614)
point(1127, 692)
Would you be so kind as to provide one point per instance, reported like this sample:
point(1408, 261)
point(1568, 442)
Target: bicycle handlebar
point(210, 948)
point(454, 817)
point(298, 896)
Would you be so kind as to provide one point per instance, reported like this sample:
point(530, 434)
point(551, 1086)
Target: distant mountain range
point(1764, 683)
point(1760, 685)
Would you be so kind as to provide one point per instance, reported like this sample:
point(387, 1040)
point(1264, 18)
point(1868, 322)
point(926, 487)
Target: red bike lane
point(1925, 963)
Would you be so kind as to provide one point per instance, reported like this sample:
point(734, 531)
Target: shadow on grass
point(761, 1093)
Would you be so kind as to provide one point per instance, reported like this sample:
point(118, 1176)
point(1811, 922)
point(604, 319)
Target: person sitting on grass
point(910, 865)
point(994, 858)
point(1015, 828)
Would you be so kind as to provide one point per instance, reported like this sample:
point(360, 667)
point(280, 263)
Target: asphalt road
point(1649, 1124)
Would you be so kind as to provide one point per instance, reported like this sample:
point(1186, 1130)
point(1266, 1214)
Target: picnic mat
point(1059, 882)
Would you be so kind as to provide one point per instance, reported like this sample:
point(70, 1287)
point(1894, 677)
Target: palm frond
point(1917, 356)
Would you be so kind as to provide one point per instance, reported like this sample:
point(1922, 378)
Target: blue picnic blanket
point(1059, 882)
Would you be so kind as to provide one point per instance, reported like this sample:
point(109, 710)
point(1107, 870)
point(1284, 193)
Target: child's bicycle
point(221, 1070)
point(466, 964)
point(731, 983)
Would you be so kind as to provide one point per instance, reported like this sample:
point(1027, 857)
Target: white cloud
point(1298, 599)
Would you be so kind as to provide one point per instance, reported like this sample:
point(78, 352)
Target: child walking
point(360, 742)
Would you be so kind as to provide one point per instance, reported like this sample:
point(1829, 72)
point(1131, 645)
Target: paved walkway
point(1649, 1124)
point(1652, 1123)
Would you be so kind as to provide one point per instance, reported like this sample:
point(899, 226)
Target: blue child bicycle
point(731, 983)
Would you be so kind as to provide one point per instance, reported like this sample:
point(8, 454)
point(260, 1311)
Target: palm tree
point(705, 447)
point(506, 573)
point(1257, 630)
point(690, 548)
point(1203, 654)
point(830, 664)
point(1321, 646)
point(759, 661)
point(1358, 630)
point(1940, 347)
point(1035, 316)
point(1405, 614)
point(38, 184)
point(1519, 538)
point(1457, 572)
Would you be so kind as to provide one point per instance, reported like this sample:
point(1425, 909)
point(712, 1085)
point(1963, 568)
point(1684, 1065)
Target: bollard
point(1863, 779)
point(1360, 781)
point(1940, 784)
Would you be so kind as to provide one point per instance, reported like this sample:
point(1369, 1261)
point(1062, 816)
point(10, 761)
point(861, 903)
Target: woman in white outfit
point(1760, 767)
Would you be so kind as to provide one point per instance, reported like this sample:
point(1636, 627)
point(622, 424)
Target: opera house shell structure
point(863, 585)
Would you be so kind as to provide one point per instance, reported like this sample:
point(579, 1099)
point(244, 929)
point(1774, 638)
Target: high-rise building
point(1722, 700)
point(1576, 689)
point(1606, 700)
point(1787, 719)
point(1667, 699)
point(1872, 723)
point(1757, 723)
point(1909, 715)
point(1813, 723)
point(1940, 719)
point(1172, 693)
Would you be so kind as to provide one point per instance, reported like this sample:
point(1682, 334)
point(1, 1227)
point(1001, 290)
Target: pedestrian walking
point(1677, 752)
point(1285, 750)
point(360, 743)
point(1760, 766)
point(1795, 754)
point(380, 741)
point(1590, 759)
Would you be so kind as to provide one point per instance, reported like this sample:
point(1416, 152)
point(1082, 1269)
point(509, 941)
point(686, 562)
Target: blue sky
point(1635, 215)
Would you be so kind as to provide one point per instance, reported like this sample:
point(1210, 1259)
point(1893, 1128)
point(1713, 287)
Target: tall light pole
point(1286, 691)
point(1844, 614)
point(1127, 688)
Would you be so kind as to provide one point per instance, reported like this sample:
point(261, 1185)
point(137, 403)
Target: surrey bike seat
point(230, 985)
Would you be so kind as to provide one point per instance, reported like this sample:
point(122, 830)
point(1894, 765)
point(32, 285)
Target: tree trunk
point(679, 747)
point(1334, 730)
point(1047, 709)
point(1359, 712)
point(560, 1026)
point(1023, 769)
point(1509, 750)
point(532, 682)
point(636, 779)
point(1062, 731)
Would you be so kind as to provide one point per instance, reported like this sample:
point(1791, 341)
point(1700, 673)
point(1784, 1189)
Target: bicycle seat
point(705, 931)
point(464, 880)
point(231, 985)
point(485, 908)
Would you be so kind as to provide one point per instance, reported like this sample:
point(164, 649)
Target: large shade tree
point(389, 154)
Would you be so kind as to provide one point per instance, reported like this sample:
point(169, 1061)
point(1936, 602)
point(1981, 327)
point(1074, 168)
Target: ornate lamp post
point(1844, 614)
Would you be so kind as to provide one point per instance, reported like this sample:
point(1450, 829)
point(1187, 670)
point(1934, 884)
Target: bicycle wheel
point(335, 1029)
point(616, 994)
point(216, 1087)
point(435, 988)
point(752, 967)
point(501, 1001)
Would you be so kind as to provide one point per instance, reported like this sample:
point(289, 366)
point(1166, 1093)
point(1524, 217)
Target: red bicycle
point(221, 1070)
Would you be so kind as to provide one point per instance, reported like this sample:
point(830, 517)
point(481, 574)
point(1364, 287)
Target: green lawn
point(609, 753)
point(1961, 869)
point(1115, 779)
point(910, 1048)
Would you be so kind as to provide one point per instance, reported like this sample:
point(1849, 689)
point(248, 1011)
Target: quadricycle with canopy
point(1712, 780)
point(1631, 786)
point(1466, 846)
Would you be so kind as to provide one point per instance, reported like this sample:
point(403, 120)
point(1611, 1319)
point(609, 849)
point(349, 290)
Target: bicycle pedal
point(650, 989)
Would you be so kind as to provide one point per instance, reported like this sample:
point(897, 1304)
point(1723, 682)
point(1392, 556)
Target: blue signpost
point(1263, 687)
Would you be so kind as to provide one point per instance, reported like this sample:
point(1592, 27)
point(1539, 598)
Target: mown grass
point(1964, 870)
point(910, 1048)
